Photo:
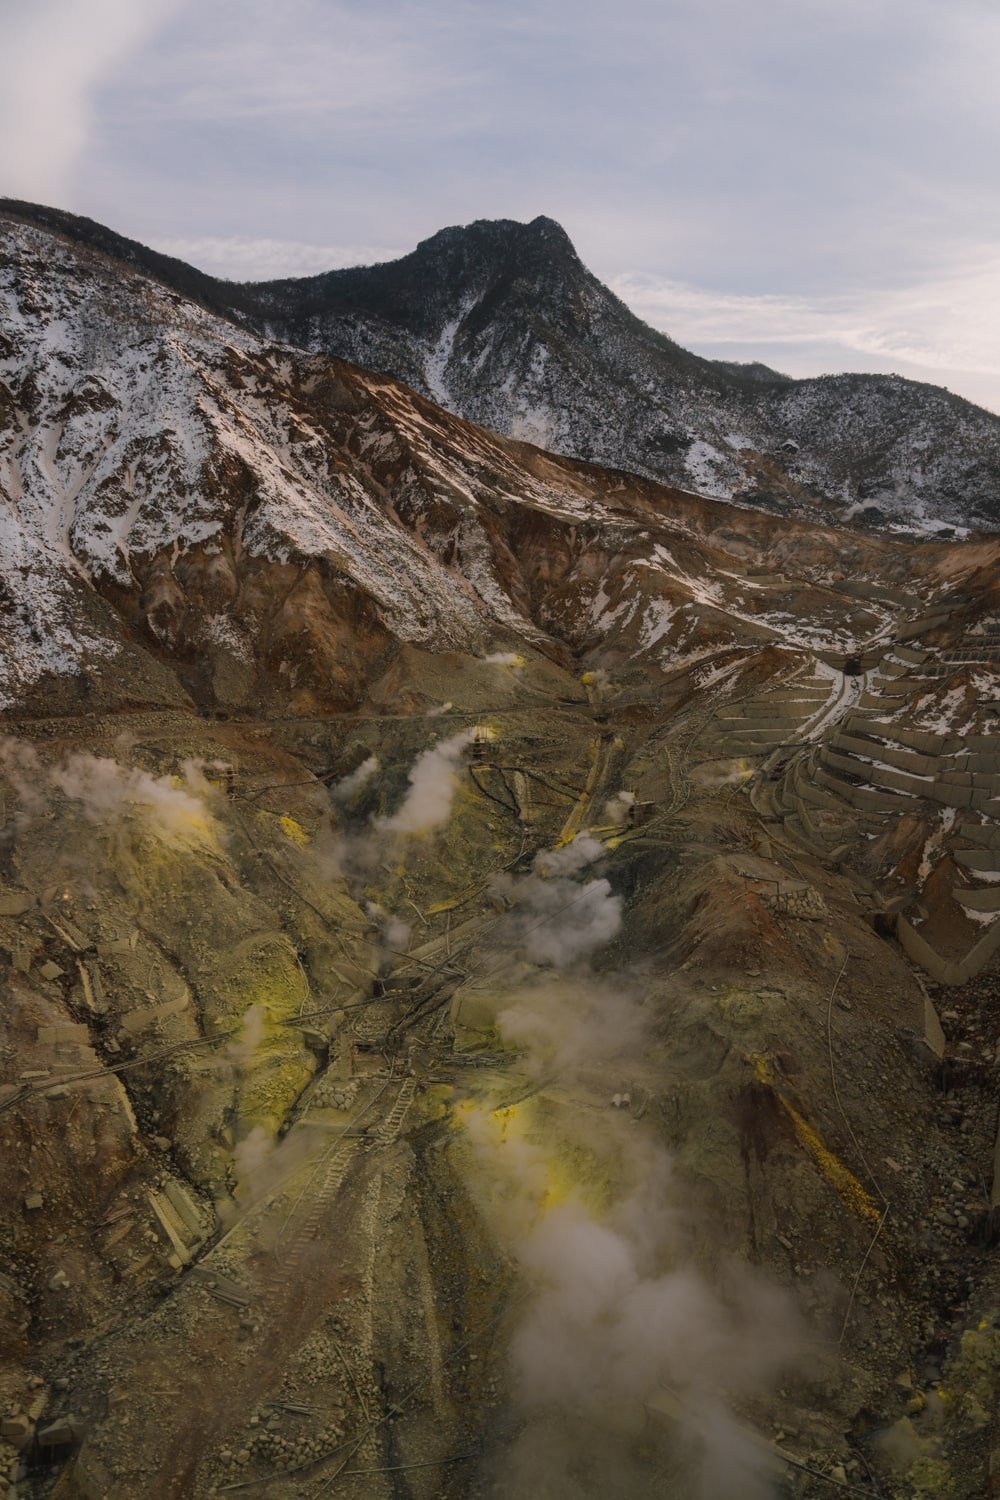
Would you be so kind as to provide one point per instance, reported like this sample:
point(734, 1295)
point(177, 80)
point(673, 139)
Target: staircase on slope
point(874, 766)
point(776, 716)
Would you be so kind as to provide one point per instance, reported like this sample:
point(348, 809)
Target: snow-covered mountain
point(501, 323)
point(192, 513)
point(337, 735)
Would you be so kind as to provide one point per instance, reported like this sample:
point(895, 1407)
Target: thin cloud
point(57, 54)
point(840, 151)
point(949, 324)
point(237, 259)
point(293, 67)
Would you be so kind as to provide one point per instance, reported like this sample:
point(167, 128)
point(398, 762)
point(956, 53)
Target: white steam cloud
point(263, 1164)
point(570, 859)
point(57, 56)
point(251, 1157)
point(431, 791)
point(242, 1048)
point(174, 807)
point(566, 1027)
point(613, 1328)
point(554, 919)
point(106, 790)
point(26, 774)
point(625, 1363)
point(618, 809)
point(350, 785)
point(394, 933)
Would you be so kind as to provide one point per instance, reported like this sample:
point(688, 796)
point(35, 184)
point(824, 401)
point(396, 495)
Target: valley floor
point(361, 1159)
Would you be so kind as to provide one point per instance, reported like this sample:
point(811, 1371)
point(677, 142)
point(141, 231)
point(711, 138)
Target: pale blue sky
point(810, 182)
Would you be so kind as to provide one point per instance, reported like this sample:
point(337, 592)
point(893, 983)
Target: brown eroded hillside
point(499, 980)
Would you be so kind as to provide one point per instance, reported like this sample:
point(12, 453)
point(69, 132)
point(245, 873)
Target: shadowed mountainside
point(501, 323)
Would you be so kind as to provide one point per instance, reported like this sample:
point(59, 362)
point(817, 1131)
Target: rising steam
point(619, 1325)
point(504, 659)
point(350, 785)
point(618, 809)
point(431, 791)
point(553, 918)
point(174, 807)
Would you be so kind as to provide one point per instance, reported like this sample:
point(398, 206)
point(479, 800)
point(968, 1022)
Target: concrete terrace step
point(946, 970)
point(764, 799)
point(801, 695)
point(953, 789)
point(860, 588)
point(977, 761)
point(891, 671)
point(916, 679)
point(759, 735)
point(979, 772)
point(805, 815)
point(920, 626)
point(926, 741)
point(813, 843)
point(808, 786)
point(867, 744)
point(982, 861)
point(804, 786)
point(865, 798)
point(949, 668)
point(743, 749)
point(874, 700)
point(977, 898)
point(984, 835)
point(878, 775)
point(793, 709)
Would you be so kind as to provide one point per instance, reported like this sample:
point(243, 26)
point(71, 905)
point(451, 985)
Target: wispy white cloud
point(840, 151)
point(305, 64)
point(944, 326)
point(56, 55)
point(239, 259)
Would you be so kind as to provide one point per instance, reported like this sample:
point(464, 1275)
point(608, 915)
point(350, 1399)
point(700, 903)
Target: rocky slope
point(191, 512)
point(387, 940)
point(502, 324)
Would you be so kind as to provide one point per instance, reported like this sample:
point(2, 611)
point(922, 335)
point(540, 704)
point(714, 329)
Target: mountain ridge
point(174, 484)
point(501, 323)
point(420, 848)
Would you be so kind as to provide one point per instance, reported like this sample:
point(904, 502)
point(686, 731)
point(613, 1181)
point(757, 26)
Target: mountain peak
point(537, 231)
point(499, 321)
point(488, 249)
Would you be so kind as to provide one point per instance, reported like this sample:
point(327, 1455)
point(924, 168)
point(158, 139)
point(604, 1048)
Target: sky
point(811, 183)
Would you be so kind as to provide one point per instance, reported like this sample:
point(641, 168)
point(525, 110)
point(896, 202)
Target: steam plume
point(106, 790)
point(349, 785)
point(431, 792)
point(175, 807)
point(554, 919)
point(620, 1325)
point(618, 808)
